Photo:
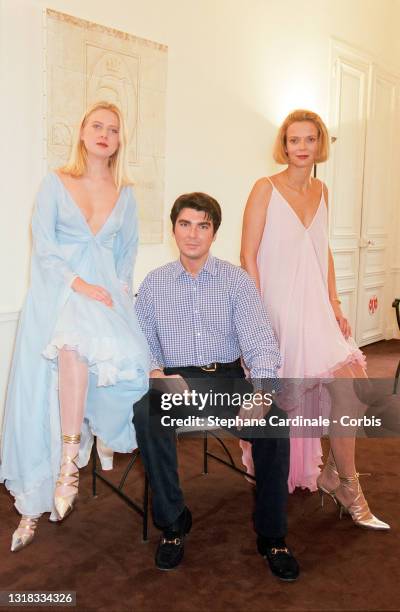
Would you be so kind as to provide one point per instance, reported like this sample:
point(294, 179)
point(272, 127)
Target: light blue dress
point(109, 339)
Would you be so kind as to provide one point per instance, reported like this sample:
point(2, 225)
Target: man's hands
point(94, 292)
point(258, 408)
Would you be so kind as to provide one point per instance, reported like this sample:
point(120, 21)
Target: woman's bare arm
point(253, 227)
point(332, 289)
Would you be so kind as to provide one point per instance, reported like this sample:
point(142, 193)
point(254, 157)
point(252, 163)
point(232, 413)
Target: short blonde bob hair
point(279, 152)
point(77, 163)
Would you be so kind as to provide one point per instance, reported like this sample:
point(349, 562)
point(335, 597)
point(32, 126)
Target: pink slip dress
point(293, 269)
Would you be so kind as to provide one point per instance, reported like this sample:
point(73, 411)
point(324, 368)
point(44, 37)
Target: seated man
point(200, 315)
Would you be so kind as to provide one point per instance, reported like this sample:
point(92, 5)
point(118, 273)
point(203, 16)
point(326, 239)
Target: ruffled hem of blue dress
point(102, 354)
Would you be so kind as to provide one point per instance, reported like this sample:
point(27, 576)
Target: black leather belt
point(214, 366)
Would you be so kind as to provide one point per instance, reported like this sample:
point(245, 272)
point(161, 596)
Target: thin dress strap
point(322, 190)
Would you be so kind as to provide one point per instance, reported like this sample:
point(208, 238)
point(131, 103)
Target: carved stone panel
point(87, 62)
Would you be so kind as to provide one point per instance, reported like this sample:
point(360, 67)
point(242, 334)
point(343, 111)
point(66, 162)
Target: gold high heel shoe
point(358, 508)
point(24, 533)
point(64, 504)
point(329, 468)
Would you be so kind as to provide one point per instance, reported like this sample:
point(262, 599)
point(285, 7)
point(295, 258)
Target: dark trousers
point(158, 450)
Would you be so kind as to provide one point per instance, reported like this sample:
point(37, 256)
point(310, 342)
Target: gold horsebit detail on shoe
point(276, 550)
point(175, 541)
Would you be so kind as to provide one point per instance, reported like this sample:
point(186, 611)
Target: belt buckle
point(210, 367)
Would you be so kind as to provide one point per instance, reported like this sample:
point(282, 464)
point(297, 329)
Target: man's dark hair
point(198, 201)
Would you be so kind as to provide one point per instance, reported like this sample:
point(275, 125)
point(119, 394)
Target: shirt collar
point(209, 267)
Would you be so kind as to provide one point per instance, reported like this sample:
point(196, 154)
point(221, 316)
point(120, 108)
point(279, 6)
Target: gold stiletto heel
point(358, 508)
point(321, 493)
point(64, 504)
point(24, 533)
point(329, 468)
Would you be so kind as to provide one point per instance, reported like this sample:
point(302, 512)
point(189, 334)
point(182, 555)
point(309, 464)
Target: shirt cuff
point(267, 384)
point(154, 365)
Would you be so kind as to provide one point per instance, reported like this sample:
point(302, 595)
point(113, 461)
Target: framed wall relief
point(86, 62)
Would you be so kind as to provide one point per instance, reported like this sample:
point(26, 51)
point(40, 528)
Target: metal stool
point(230, 464)
point(118, 489)
point(143, 510)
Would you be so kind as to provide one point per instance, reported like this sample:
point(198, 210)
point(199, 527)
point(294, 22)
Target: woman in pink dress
point(285, 249)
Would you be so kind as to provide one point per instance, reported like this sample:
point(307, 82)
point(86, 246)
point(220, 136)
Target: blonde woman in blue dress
point(80, 360)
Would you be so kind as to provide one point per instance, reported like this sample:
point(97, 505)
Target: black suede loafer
point(280, 559)
point(171, 546)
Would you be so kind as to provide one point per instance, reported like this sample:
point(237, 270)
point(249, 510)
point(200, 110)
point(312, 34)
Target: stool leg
point(205, 450)
point(94, 468)
point(396, 379)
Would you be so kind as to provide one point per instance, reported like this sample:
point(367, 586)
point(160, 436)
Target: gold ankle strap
point(73, 439)
point(353, 478)
point(74, 475)
point(349, 479)
point(31, 523)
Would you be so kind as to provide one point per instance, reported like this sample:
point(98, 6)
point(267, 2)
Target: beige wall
point(235, 68)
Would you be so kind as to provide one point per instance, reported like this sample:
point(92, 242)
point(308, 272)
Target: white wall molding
point(360, 54)
point(6, 317)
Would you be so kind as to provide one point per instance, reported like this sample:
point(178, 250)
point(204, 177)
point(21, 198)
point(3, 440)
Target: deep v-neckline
point(80, 212)
point(305, 227)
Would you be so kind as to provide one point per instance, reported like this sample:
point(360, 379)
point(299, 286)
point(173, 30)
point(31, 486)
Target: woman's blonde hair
point(279, 152)
point(77, 163)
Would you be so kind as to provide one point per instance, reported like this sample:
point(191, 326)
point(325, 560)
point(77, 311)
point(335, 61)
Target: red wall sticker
point(373, 305)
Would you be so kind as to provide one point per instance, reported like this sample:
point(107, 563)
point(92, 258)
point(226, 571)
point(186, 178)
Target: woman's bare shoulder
point(259, 197)
point(262, 187)
point(322, 188)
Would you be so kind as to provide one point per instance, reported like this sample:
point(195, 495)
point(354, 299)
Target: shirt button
point(196, 312)
point(198, 334)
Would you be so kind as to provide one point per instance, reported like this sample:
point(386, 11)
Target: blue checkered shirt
point(216, 316)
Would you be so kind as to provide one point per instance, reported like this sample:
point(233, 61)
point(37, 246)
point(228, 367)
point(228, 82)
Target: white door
point(374, 282)
point(345, 170)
